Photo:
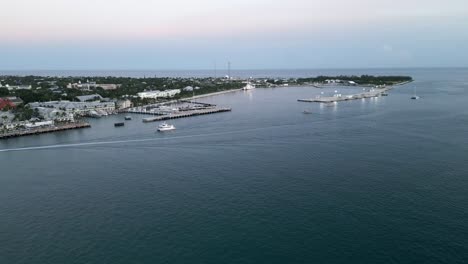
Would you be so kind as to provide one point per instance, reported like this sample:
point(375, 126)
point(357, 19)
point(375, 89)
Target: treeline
point(54, 88)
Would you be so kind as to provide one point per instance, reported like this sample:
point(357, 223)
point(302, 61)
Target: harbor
point(374, 92)
point(176, 109)
point(42, 130)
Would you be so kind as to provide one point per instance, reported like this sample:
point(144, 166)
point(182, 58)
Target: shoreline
point(21, 133)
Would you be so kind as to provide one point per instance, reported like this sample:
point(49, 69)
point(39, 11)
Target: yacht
point(248, 86)
point(165, 127)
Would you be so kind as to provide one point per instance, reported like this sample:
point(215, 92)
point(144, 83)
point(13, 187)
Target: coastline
point(43, 130)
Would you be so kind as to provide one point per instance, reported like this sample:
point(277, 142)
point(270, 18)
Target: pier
point(42, 130)
point(186, 114)
point(331, 99)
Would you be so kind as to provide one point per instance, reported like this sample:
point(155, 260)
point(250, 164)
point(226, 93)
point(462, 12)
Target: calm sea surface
point(381, 180)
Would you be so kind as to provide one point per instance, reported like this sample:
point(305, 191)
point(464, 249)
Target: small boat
point(119, 124)
point(330, 104)
point(307, 112)
point(128, 118)
point(384, 94)
point(165, 127)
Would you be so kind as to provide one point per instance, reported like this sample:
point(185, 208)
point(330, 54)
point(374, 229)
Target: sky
point(252, 34)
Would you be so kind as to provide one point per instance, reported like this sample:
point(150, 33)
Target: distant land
point(38, 102)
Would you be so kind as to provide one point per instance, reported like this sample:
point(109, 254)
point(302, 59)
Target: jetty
point(186, 114)
point(42, 130)
point(338, 98)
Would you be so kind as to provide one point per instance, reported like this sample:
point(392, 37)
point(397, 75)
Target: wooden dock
point(28, 132)
point(186, 114)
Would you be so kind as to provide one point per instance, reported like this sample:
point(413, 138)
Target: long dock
point(186, 114)
point(332, 99)
point(43, 130)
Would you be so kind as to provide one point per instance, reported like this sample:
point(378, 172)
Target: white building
point(39, 124)
point(108, 86)
point(122, 104)
point(18, 87)
point(159, 94)
point(82, 86)
point(76, 107)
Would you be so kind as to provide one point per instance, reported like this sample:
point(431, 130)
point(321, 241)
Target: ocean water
point(382, 180)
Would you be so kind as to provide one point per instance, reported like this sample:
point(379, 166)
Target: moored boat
point(119, 124)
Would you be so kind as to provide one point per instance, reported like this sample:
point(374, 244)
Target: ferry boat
point(165, 127)
point(128, 118)
point(119, 124)
point(248, 86)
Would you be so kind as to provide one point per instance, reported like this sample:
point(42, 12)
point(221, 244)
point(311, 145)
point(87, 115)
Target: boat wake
point(141, 140)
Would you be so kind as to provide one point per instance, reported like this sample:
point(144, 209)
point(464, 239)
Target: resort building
point(77, 107)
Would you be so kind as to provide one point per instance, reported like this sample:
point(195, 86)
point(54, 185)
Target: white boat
point(248, 86)
point(165, 127)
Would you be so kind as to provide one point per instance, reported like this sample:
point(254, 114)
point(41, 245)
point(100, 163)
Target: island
point(43, 104)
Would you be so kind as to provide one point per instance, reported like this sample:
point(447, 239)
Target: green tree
point(4, 91)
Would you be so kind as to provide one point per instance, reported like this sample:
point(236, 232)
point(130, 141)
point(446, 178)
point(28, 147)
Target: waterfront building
point(31, 125)
point(77, 107)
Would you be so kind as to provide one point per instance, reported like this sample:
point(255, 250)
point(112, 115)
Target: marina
point(339, 97)
point(176, 109)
